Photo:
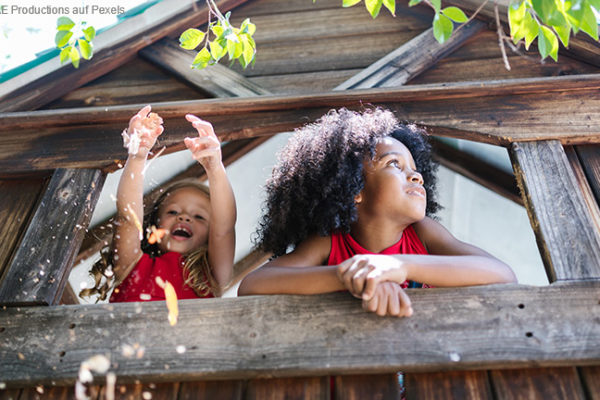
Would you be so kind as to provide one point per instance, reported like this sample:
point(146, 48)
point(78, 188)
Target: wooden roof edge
point(128, 37)
point(228, 106)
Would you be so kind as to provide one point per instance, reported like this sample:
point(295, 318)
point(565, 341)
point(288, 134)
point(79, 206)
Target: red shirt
point(343, 247)
point(140, 284)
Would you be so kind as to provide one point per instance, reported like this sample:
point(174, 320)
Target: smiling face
point(393, 188)
point(185, 214)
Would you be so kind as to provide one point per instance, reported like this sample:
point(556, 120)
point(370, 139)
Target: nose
point(183, 217)
point(416, 177)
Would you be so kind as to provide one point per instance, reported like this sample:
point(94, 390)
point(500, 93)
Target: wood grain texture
point(491, 112)
point(217, 81)
point(313, 388)
point(537, 384)
point(280, 336)
point(139, 391)
point(39, 269)
point(357, 387)
point(590, 161)
point(135, 82)
point(567, 238)
point(590, 377)
point(217, 390)
point(17, 203)
point(464, 385)
point(584, 184)
point(411, 59)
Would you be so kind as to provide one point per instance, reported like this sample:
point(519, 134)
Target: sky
point(28, 27)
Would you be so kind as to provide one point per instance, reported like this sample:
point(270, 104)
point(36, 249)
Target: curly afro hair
point(320, 171)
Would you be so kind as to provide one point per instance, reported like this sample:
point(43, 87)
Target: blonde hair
point(196, 268)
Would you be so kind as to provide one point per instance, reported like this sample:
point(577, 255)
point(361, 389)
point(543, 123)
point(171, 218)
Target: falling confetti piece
point(147, 395)
point(150, 161)
point(180, 349)
point(136, 221)
point(132, 141)
point(111, 380)
point(171, 297)
point(156, 235)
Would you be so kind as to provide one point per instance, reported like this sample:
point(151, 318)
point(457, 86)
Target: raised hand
point(362, 273)
point(144, 128)
point(206, 148)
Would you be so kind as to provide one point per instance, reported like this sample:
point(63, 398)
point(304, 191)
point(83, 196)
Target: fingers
point(204, 128)
point(143, 113)
point(405, 304)
point(201, 143)
point(371, 280)
point(389, 299)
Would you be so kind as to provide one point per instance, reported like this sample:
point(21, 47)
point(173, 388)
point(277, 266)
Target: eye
point(393, 162)
point(172, 212)
point(199, 217)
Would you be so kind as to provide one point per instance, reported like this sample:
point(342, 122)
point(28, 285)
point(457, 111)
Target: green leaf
point(544, 9)
point(248, 52)
point(249, 28)
point(516, 11)
point(234, 48)
point(350, 3)
point(414, 2)
point(89, 33)
point(532, 29)
point(589, 24)
point(64, 24)
point(62, 38)
point(373, 6)
point(202, 58)
point(595, 4)
point(217, 30)
point(216, 50)
point(442, 27)
point(74, 54)
point(455, 14)
point(437, 5)
point(563, 33)
point(547, 43)
point(191, 38)
point(85, 48)
point(557, 18)
point(64, 54)
point(391, 5)
point(575, 10)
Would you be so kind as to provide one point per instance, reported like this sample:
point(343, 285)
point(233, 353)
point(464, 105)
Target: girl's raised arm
point(144, 128)
point(206, 149)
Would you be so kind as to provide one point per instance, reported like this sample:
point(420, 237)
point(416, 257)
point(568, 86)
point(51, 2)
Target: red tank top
point(140, 284)
point(343, 247)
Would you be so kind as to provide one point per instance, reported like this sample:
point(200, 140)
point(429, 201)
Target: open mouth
point(182, 233)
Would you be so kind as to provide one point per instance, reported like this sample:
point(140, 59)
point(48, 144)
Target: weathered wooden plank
point(590, 377)
point(56, 392)
point(279, 336)
point(135, 82)
point(217, 390)
point(590, 160)
point(135, 391)
point(477, 170)
point(40, 267)
point(303, 83)
point(313, 388)
point(411, 59)
point(492, 112)
point(537, 383)
point(10, 394)
point(566, 236)
point(17, 203)
point(286, 27)
point(218, 81)
point(57, 83)
point(357, 387)
point(584, 185)
point(462, 385)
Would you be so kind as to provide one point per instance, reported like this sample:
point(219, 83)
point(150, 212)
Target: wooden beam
point(410, 59)
point(50, 86)
point(464, 385)
point(217, 81)
point(566, 236)
point(537, 383)
point(477, 170)
point(40, 267)
point(277, 336)
point(590, 160)
point(483, 111)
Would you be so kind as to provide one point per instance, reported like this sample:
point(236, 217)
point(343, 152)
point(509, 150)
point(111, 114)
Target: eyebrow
point(389, 153)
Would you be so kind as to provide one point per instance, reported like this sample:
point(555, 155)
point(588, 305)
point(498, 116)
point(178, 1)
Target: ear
point(358, 198)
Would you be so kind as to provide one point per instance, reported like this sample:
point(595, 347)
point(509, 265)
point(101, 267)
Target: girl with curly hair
point(188, 234)
point(350, 195)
